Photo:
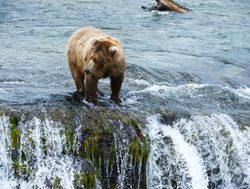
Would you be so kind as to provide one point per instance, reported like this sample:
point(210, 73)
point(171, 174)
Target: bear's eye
point(97, 49)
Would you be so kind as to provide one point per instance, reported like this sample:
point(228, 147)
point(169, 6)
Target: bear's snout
point(89, 67)
point(87, 70)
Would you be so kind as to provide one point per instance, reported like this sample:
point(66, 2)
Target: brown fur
point(93, 55)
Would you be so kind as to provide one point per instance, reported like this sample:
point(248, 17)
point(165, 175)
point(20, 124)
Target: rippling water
point(209, 45)
point(197, 62)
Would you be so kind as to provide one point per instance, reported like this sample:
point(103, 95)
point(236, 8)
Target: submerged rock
point(91, 147)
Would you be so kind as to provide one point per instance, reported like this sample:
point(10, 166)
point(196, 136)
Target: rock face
point(92, 147)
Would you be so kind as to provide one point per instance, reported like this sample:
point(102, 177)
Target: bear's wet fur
point(92, 55)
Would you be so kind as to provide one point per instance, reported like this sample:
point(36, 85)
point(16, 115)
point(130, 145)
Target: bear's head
point(101, 57)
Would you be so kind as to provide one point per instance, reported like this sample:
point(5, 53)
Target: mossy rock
point(102, 138)
point(85, 180)
point(56, 183)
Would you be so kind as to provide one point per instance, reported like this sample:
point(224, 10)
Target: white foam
point(242, 92)
point(163, 91)
point(139, 82)
point(160, 12)
point(188, 152)
point(14, 82)
point(37, 136)
point(220, 136)
point(131, 100)
point(217, 136)
point(5, 161)
point(204, 132)
point(191, 91)
point(241, 141)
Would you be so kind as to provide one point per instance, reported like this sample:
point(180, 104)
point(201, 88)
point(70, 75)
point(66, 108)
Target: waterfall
point(192, 164)
point(42, 153)
point(5, 166)
point(38, 161)
point(205, 151)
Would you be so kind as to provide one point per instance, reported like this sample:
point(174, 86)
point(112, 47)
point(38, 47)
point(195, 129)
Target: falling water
point(39, 161)
point(191, 166)
point(203, 152)
point(38, 153)
point(5, 171)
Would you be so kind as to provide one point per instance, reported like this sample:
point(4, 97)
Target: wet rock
point(168, 5)
point(106, 144)
point(169, 117)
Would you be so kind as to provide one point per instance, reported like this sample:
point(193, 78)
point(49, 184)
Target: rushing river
point(197, 62)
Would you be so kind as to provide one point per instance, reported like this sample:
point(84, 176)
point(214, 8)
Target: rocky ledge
point(106, 145)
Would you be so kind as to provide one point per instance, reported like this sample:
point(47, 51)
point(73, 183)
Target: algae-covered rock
point(104, 147)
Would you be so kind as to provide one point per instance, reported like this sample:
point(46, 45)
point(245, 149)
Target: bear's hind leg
point(116, 83)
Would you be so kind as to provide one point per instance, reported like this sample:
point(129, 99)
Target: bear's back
point(84, 34)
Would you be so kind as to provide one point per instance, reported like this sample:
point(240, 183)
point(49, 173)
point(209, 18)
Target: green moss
point(15, 134)
point(135, 123)
point(26, 170)
point(20, 169)
point(45, 146)
point(86, 180)
point(16, 168)
point(139, 149)
point(15, 137)
point(97, 145)
point(135, 149)
point(14, 121)
point(70, 140)
point(56, 183)
point(225, 133)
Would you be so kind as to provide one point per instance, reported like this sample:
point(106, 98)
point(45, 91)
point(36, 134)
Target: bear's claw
point(116, 99)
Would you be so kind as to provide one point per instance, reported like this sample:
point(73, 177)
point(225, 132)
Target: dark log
point(169, 5)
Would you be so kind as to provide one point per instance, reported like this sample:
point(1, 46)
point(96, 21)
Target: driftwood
point(169, 5)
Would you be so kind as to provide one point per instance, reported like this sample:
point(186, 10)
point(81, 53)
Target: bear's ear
point(95, 42)
point(112, 50)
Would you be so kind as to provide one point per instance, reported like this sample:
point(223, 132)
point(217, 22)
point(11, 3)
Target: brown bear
point(93, 55)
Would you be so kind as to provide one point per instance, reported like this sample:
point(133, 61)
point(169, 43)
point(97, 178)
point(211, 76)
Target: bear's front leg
point(79, 81)
point(91, 88)
point(116, 83)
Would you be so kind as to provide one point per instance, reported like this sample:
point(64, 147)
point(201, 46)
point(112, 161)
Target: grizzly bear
point(93, 55)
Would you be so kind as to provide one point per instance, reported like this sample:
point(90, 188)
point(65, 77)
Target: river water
point(197, 62)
